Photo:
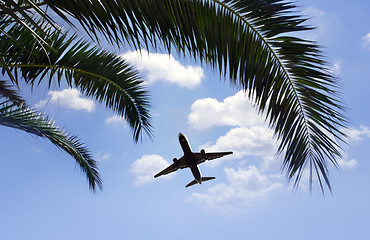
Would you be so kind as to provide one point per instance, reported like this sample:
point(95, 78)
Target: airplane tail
point(203, 180)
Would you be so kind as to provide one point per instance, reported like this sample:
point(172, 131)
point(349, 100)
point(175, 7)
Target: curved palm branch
point(7, 91)
point(28, 120)
point(250, 41)
point(96, 73)
point(34, 49)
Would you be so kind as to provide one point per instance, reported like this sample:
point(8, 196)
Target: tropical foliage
point(33, 48)
point(251, 42)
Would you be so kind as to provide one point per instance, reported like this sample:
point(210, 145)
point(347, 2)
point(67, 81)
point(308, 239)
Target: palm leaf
point(252, 43)
point(29, 120)
point(23, 12)
point(97, 73)
point(7, 91)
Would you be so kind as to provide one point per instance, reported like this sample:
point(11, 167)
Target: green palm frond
point(253, 43)
point(29, 120)
point(23, 12)
point(97, 73)
point(7, 91)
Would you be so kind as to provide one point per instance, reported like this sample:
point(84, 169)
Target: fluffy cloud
point(244, 188)
point(243, 141)
point(250, 135)
point(236, 110)
point(344, 163)
point(366, 41)
point(146, 167)
point(69, 98)
point(355, 135)
point(116, 121)
point(164, 67)
point(359, 134)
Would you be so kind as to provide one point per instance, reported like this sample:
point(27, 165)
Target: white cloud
point(345, 164)
point(116, 120)
point(336, 68)
point(100, 157)
point(244, 188)
point(355, 135)
point(164, 67)
point(69, 98)
point(366, 41)
point(236, 110)
point(243, 141)
point(358, 135)
point(147, 166)
point(250, 135)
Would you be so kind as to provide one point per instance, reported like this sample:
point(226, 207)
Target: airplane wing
point(169, 169)
point(210, 156)
point(181, 163)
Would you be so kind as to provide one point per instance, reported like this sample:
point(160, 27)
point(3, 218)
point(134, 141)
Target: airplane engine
point(176, 162)
point(204, 155)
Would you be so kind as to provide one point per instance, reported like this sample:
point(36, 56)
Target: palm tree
point(251, 42)
point(35, 49)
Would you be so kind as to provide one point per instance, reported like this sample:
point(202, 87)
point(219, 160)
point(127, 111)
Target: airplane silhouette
point(191, 160)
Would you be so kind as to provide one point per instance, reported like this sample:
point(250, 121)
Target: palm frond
point(28, 14)
point(7, 91)
point(29, 120)
point(97, 73)
point(251, 42)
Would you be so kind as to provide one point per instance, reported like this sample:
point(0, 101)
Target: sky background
point(44, 195)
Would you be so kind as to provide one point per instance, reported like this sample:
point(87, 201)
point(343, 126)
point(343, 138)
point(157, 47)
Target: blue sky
point(45, 196)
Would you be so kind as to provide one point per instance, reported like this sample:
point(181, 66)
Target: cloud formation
point(366, 41)
point(345, 164)
point(359, 134)
point(336, 67)
point(164, 67)
point(233, 111)
point(100, 157)
point(243, 141)
point(116, 121)
point(249, 136)
point(355, 135)
point(146, 167)
point(69, 98)
point(244, 188)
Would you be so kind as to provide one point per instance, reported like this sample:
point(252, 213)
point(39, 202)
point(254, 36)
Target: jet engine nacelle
point(176, 162)
point(204, 155)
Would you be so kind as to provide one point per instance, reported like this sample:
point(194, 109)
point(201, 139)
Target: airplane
point(191, 160)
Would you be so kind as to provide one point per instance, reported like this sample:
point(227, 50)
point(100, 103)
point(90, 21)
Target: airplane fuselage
point(190, 158)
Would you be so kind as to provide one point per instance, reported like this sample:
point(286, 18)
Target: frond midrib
point(277, 60)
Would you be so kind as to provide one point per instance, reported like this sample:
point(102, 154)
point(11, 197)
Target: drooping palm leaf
point(23, 13)
point(7, 92)
point(251, 42)
point(97, 73)
point(29, 120)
